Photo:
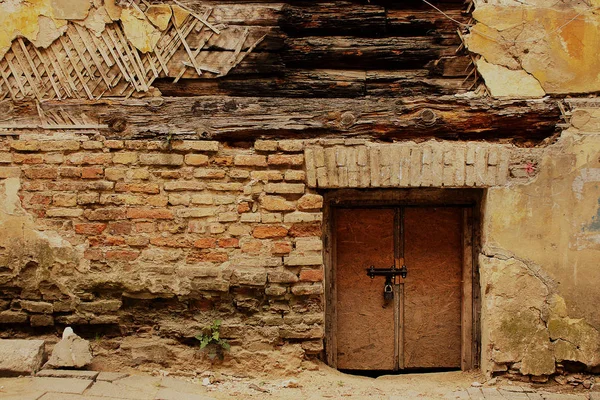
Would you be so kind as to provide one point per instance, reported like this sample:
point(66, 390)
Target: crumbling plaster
point(539, 261)
point(43, 21)
point(536, 48)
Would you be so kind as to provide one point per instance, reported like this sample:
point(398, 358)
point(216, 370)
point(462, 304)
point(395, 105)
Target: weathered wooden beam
point(243, 118)
point(319, 83)
point(363, 53)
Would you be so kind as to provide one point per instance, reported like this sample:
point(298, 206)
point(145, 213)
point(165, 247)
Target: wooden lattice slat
point(80, 64)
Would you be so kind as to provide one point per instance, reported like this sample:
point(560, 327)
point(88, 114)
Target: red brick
point(149, 213)
point(70, 172)
point(114, 241)
point(311, 275)
point(171, 241)
point(92, 172)
point(205, 243)
point(89, 158)
point(90, 229)
point(120, 228)
point(303, 230)
point(250, 160)
point(203, 255)
point(137, 187)
point(121, 255)
point(27, 158)
point(40, 199)
point(145, 227)
point(223, 161)
point(93, 254)
point(243, 207)
point(281, 248)
point(252, 247)
point(107, 214)
point(269, 231)
point(229, 242)
point(41, 173)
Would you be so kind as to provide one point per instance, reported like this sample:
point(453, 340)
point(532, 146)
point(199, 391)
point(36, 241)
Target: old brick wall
point(165, 237)
point(151, 227)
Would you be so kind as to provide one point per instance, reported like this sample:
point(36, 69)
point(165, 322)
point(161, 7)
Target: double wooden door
point(422, 326)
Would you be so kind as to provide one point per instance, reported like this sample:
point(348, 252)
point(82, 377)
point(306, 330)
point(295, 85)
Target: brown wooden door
point(421, 326)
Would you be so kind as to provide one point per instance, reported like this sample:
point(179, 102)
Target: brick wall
point(167, 236)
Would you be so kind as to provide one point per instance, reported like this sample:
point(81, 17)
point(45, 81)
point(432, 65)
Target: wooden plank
point(329, 260)
point(223, 117)
point(364, 53)
point(467, 292)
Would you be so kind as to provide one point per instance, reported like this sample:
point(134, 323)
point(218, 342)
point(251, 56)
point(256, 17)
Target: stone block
point(161, 159)
point(265, 145)
point(250, 160)
point(285, 188)
point(249, 276)
point(37, 306)
point(20, 357)
point(310, 202)
point(41, 320)
point(195, 145)
point(291, 146)
point(13, 317)
point(303, 259)
point(71, 352)
point(276, 203)
point(307, 289)
point(300, 216)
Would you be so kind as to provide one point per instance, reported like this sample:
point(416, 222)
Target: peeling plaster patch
point(139, 31)
point(586, 175)
point(49, 31)
point(536, 39)
point(159, 15)
point(70, 9)
point(503, 82)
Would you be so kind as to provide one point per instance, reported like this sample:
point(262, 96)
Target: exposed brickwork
point(187, 221)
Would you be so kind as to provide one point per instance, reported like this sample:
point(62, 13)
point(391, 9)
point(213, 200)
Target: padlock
point(388, 292)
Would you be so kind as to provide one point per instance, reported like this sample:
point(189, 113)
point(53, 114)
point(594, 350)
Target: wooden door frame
point(471, 199)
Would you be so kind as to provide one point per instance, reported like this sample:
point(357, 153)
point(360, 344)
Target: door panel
point(432, 288)
point(364, 237)
point(421, 327)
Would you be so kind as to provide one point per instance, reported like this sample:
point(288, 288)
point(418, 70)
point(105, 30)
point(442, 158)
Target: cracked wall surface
point(536, 48)
point(539, 262)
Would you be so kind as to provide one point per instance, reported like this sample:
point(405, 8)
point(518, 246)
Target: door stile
point(467, 353)
point(399, 288)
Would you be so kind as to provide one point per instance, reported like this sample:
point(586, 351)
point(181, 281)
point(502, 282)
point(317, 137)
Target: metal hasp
point(391, 272)
point(390, 278)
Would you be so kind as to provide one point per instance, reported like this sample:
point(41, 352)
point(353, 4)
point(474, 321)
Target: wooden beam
point(246, 118)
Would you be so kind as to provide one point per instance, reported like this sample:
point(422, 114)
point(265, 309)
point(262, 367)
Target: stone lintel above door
point(363, 164)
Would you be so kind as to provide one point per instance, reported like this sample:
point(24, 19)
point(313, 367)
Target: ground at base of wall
point(320, 382)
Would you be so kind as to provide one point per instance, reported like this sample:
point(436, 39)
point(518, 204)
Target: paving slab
point(110, 376)
point(20, 357)
point(475, 393)
point(510, 395)
point(114, 391)
point(492, 394)
point(67, 396)
point(60, 385)
point(67, 373)
point(22, 396)
point(562, 396)
point(172, 394)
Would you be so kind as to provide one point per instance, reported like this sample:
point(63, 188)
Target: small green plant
point(211, 340)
